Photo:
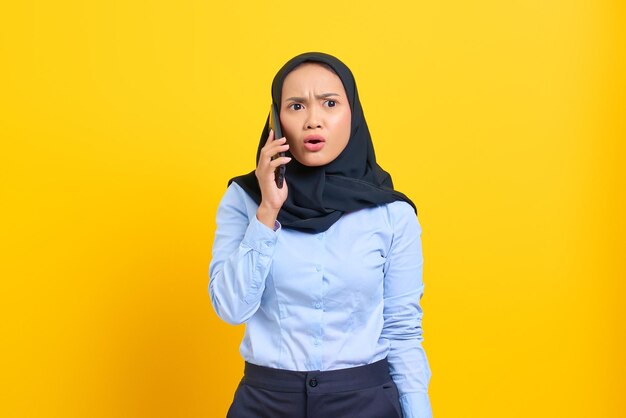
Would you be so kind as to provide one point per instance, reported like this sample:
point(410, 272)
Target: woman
point(326, 271)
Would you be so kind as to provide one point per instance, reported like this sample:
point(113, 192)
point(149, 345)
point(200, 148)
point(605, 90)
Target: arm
point(243, 247)
point(403, 314)
point(242, 257)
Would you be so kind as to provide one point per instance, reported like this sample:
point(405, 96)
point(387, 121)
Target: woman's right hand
point(272, 198)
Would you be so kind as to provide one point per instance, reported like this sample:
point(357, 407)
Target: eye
point(330, 103)
point(295, 106)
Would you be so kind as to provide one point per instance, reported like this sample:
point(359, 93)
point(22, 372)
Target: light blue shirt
point(345, 297)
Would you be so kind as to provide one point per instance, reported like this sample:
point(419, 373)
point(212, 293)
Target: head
point(315, 114)
point(318, 99)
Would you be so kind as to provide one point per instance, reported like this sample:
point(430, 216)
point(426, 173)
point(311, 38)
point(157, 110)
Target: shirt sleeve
point(402, 313)
point(242, 256)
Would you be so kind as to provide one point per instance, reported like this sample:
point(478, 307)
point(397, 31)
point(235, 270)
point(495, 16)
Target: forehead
point(314, 76)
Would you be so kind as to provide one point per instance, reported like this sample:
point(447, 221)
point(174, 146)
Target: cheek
point(287, 123)
point(344, 128)
point(291, 130)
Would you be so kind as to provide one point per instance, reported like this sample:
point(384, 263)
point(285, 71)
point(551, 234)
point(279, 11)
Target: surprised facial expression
point(315, 114)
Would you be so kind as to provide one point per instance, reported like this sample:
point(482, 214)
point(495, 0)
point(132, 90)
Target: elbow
point(226, 297)
point(231, 319)
point(230, 312)
point(416, 337)
point(403, 331)
point(230, 316)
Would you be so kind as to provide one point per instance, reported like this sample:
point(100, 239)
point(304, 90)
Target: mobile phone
point(279, 173)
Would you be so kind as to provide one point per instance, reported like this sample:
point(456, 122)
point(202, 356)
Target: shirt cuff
point(416, 405)
point(260, 237)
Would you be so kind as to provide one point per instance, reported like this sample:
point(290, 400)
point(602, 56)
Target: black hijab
point(318, 196)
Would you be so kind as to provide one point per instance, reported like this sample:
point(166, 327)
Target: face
point(315, 114)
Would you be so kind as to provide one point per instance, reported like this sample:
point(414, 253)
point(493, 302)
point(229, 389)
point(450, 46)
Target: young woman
point(326, 271)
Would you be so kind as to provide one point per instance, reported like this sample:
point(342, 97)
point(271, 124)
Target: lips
point(314, 142)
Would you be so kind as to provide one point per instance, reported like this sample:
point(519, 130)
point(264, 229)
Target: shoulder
point(236, 200)
point(393, 217)
point(401, 217)
point(236, 193)
point(401, 208)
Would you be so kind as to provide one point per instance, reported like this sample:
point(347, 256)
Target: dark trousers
point(357, 392)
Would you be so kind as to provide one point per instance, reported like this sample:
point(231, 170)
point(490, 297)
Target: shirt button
point(318, 268)
point(318, 305)
point(320, 237)
point(316, 342)
point(313, 382)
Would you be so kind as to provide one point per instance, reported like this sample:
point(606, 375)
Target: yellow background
point(121, 122)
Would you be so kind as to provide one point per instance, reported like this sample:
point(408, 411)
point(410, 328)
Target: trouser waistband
point(353, 378)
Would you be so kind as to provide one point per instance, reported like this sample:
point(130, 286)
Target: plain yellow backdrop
point(121, 122)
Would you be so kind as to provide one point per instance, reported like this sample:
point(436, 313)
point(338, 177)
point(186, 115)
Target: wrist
point(267, 215)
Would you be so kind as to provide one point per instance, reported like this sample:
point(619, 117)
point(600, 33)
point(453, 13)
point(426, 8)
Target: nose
point(312, 120)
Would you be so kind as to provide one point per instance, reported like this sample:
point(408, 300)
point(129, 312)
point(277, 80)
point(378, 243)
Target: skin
point(314, 101)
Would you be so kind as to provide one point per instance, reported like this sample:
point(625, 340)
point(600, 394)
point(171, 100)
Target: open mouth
point(314, 139)
point(314, 142)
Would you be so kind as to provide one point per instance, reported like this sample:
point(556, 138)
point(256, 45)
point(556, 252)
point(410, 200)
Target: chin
point(313, 160)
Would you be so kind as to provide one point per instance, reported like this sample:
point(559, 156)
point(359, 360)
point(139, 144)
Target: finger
point(279, 161)
point(270, 137)
point(266, 167)
point(279, 141)
point(271, 150)
point(275, 149)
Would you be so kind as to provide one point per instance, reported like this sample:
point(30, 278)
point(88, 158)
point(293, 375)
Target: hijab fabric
point(319, 196)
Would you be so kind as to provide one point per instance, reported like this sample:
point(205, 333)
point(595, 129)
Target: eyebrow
point(317, 96)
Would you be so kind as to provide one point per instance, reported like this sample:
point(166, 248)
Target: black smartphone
point(279, 173)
